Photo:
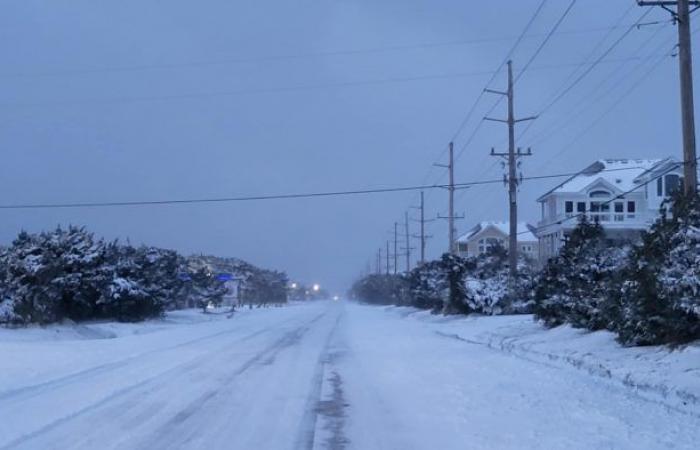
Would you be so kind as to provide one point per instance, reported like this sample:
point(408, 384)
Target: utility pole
point(681, 16)
point(512, 179)
point(387, 257)
point(422, 227)
point(451, 248)
point(379, 261)
point(408, 245)
point(422, 236)
point(396, 247)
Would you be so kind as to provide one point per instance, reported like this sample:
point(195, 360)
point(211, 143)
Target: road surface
point(324, 375)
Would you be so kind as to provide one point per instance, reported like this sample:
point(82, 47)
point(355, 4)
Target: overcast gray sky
point(149, 100)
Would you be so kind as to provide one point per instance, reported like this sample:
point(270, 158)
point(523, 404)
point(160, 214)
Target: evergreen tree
point(574, 286)
point(455, 269)
point(658, 301)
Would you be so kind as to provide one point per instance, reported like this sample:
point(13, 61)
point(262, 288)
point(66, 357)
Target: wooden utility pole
point(379, 261)
point(512, 179)
point(681, 17)
point(396, 247)
point(422, 221)
point(450, 166)
point(408, 245)
point(387, 257)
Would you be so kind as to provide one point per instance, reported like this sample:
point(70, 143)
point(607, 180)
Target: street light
point(316, 287)
point(294, 285)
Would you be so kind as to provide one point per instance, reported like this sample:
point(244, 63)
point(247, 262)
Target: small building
point(623, 195)
point(486, 235)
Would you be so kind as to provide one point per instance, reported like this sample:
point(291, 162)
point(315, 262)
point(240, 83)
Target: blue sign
point(225, 277)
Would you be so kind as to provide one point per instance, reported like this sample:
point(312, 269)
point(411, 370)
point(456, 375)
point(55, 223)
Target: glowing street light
point(294, 285)
point(316, 287)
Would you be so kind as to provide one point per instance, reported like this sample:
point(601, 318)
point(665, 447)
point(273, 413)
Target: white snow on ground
point(337, 375)
point(669, 376)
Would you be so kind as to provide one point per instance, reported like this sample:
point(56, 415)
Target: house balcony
point(609, 220)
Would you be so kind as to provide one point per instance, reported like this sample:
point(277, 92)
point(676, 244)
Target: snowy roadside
point(659, 374)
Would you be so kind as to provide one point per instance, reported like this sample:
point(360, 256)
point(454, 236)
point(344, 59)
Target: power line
point(289, 196)
point(585, 73)
point(474, 105)
point(272, 58)
point(282, 89)
point(546, 39)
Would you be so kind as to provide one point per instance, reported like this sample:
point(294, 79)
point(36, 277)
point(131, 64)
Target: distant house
point(486, 235)
point(624, 195)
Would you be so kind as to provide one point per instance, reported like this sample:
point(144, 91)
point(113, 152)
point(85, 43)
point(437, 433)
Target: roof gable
point(623, 174)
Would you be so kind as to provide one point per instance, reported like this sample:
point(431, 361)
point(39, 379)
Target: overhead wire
point(281, 196)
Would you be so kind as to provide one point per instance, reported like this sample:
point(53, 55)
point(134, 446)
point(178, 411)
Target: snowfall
point(341, 375)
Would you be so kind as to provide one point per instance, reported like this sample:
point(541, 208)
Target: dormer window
point(599, 194)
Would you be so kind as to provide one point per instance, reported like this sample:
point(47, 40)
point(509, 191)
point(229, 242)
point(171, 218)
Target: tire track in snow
point(315, 406)
point(29, 391)
point(263, 358)
point(178, 369)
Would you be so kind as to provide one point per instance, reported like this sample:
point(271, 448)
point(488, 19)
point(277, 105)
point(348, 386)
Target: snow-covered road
point(323, 375)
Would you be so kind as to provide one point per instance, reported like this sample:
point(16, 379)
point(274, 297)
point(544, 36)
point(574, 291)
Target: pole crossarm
point(664, 3)
point(525, 119)
point(492, 91)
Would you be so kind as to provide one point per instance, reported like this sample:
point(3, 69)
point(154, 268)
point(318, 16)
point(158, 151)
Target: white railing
point(606, 218)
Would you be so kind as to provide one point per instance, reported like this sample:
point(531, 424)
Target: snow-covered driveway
point(322, 375)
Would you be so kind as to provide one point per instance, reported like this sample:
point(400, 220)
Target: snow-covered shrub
point(489, 289)
point(51, 275)
point(380, 289)
point(257, 286)
point(575, 287)
point(427, 286)
point(679, 280)
point(659, 304)
point(140, 282)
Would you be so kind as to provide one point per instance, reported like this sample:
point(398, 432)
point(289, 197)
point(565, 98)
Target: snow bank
point(660, 374)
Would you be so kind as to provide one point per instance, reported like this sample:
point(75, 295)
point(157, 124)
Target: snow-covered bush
point(140, 282)
point(488, 284)
point(575, 287)
point(257, 286)
point(51, 275)
point(453, 285)
point(659, 302)
point(427, 286)
point(379, 289)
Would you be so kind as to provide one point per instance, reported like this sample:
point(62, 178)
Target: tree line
point(647, 292)
point(70, 274)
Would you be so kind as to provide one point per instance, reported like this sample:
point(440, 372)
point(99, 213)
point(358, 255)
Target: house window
point(619, 212)
point(659, 187)
point(463, 247)
point(569, 207)
point(599, 194)
point(581, 207)
point(595, 206)
point(631, 207)
point(673, 183)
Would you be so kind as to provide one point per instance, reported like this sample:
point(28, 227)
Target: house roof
point(525, 232)
point(623, 174)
